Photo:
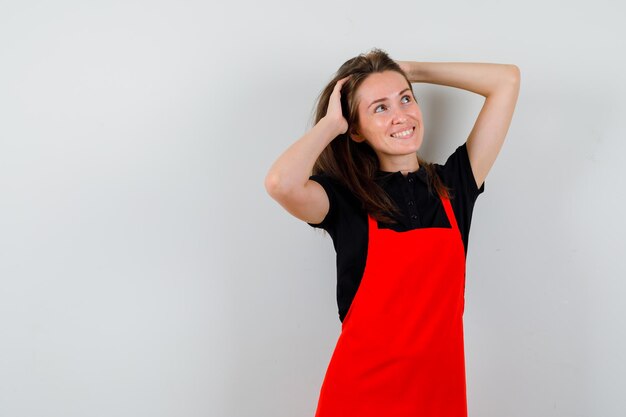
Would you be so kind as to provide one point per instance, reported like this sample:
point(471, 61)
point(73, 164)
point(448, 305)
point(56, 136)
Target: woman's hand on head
point(333, 112)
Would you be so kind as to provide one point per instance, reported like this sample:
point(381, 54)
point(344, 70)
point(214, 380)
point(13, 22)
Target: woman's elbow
point(515, 73)
point(276, 186)
point(271, 184)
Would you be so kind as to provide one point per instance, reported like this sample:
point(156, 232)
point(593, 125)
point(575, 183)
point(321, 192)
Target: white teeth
point(402, 134)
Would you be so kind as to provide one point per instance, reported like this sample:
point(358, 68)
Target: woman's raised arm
point(498, 83)
point(288, 182)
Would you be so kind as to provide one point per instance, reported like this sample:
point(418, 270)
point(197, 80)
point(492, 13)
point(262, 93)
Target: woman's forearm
point(479, 78)
point(293, 167)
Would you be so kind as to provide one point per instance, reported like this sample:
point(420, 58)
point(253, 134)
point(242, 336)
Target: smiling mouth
point(404, 134)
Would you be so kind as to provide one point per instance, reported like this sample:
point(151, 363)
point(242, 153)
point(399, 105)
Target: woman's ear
point(354, 134)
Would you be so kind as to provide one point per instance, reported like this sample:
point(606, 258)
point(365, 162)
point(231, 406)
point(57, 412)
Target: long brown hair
point(354, 164)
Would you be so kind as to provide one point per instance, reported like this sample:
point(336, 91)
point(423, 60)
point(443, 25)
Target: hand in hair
point(333, 112)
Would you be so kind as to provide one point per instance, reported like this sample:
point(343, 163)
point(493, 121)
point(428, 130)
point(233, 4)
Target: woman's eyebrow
point(385, 98)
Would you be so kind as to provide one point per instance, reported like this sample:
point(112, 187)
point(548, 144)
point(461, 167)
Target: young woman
point(400, 228)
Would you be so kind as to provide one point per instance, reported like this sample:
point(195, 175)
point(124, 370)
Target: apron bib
point(401, 350)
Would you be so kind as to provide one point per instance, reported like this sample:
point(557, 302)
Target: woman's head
point(372, 74)
point(388, 120)
point(368, 141)
point(370, 144)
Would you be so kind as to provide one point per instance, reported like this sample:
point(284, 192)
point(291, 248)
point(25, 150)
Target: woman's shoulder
point(343, 204)
point(331, 184)
point(339, 194)
point(457, 173)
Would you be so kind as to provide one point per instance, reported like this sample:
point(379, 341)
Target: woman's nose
point(399, 117)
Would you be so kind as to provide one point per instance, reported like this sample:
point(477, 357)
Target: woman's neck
point(408, 163)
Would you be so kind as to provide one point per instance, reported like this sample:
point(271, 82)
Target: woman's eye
point(382, 105)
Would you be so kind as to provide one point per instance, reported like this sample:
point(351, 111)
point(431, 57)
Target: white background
point(144, 271)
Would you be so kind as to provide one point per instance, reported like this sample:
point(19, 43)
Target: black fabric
point(346, 222)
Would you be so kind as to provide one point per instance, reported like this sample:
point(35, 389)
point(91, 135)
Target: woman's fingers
point(334, 105)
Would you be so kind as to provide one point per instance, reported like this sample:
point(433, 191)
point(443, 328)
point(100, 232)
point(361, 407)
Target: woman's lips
point(404, 137)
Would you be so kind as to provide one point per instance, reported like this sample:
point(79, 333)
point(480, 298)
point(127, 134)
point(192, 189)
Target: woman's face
point(390, 120)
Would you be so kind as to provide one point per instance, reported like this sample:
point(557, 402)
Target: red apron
point(400, 352)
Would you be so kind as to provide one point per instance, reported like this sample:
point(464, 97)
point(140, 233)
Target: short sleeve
point(458, 172)
point(327, 183)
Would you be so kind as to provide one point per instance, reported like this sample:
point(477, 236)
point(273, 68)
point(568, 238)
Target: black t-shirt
point(346, 221)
